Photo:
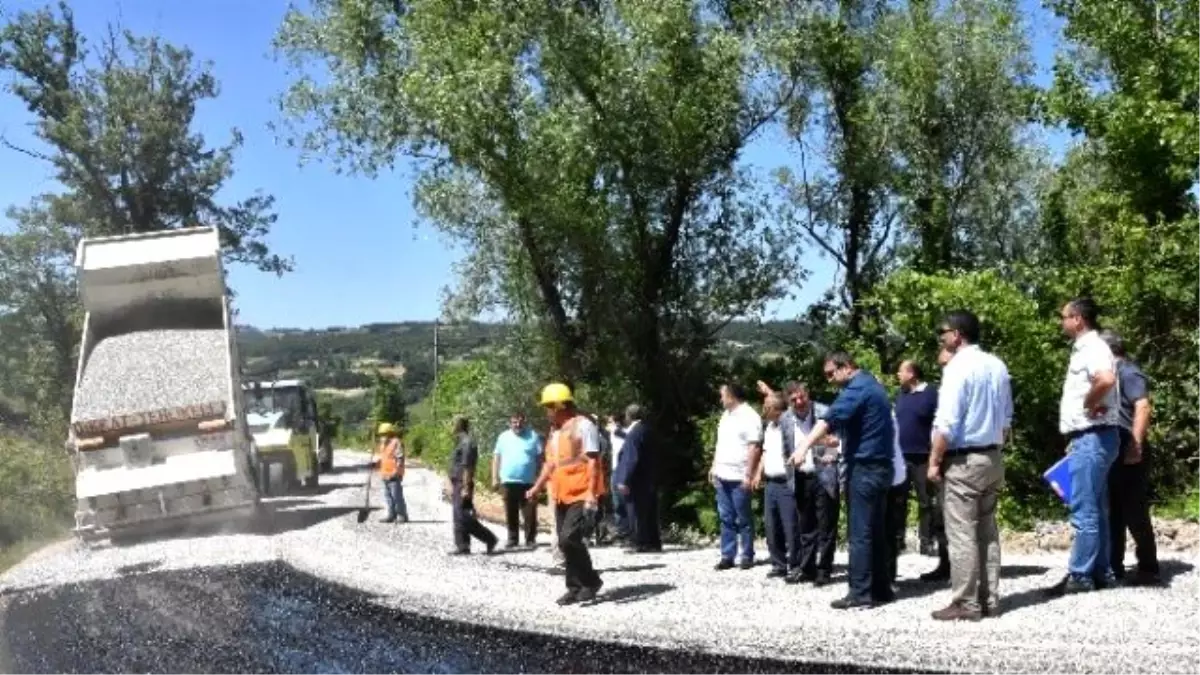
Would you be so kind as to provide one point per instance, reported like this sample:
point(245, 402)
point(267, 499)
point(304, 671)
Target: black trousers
point(931, 528)
point(818, 511)
point(466, 525)
point(518, 508)
point(896, 524)
point(572, 535)
point(641, 509)
point(1129, 508)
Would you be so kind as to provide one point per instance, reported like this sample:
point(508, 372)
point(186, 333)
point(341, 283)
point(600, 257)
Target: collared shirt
point(518, 453)
point(899, 468)
point(974, 401)
point(1134, 387)
point(617, 440)
point(800, 427)
point(774, 462)
point(862, 417)
point(1090, 355)
point(737, 431)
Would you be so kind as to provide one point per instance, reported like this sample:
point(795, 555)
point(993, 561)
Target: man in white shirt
point(779, 501)
point(735, 464)
point(1089, 415)
point(973, 416)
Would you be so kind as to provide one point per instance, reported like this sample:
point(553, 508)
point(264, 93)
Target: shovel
point(366, 508)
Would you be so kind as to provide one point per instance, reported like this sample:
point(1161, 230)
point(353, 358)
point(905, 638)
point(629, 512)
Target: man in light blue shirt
point(973, 416)
point(516, 462)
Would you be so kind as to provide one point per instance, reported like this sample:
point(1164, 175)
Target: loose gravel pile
point(671, 601)
point(153, 370)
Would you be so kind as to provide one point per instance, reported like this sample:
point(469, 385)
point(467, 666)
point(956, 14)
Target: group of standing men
point(946, 443)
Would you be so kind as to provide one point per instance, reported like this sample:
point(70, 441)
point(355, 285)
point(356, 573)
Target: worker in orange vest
point(389, 459)
point(572, 469)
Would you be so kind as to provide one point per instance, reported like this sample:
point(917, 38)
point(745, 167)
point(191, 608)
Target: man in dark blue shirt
point(861, 416)
point(1128, 488)
point(916, 404)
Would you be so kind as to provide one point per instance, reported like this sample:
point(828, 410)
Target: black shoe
point(797, 576)
point(459, 551)
point(491, 546)
point(388, 520)
point(643, 549)
point(851, 603)
point(723, 565)
point(777, 573)
point(1069, 586)
point(929, 549)
point(823, 578)
point(512, 544)
point(939, 573)
point(746, 565)
point(588, 594)
point(1144, 579)
point(569, 598)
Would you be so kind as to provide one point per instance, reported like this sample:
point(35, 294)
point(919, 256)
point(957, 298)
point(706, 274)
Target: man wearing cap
point(389, 459)
point(572, 470)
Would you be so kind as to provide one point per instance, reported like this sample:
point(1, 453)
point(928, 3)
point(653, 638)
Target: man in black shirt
point(462, 492)
point(1129, 506)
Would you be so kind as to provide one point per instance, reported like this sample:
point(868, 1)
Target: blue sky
point(360, 257)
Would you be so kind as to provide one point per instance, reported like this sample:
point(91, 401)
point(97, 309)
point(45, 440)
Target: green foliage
point(1017, 330)
point(36, 490)
point(387, 401)
point(327, 416)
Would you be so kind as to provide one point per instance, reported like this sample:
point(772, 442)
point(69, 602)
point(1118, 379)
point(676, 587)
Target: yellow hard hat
point(386, 428)
point(556, 393)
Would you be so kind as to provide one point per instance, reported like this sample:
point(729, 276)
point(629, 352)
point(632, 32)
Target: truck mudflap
point(190, 486)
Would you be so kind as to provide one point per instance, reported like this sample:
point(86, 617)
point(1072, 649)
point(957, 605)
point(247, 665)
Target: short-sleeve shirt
point(464, 457)
point(1090, 355)
point(518, 454)
point(737, 431)
point(588, 434)
point(1134, 387)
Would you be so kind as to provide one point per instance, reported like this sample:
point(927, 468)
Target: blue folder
point(1059, 478)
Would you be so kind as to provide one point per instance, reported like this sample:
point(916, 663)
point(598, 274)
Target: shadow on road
point(264, 618)
point(627, 594)
point(915, 588)
point(273, 517)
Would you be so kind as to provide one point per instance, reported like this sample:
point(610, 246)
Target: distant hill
point(340, 359)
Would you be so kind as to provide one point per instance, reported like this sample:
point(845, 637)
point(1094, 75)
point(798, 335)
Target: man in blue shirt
point(973, 416)
point(861, 416)
point(516, 462)
point(916, 405)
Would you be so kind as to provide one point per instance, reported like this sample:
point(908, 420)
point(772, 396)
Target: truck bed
point(151, 371)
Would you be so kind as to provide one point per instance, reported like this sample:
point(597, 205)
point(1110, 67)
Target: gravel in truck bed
point(672, 601)
point(152, 370)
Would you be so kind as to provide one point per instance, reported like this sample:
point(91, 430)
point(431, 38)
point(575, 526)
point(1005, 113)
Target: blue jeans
point(393, 496)
point(868, 484)
point(737, 520)
point(1092, 454)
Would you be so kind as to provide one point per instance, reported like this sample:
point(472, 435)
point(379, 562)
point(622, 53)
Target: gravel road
point(316, 592)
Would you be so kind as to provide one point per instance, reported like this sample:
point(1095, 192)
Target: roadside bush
point(36, 490)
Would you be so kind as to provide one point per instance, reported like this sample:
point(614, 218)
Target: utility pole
point(436, 360)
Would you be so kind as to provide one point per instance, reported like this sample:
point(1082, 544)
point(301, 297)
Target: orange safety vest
point(571, 481)
point(389, 466)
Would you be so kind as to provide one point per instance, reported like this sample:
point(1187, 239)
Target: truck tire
point(324, 453)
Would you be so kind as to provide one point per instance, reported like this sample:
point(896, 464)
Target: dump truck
point(292, 447)
point(158, 432)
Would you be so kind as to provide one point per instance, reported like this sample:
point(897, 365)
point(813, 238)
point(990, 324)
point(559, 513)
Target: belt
point(972, 450)
point(776, 479)
point(1072, 435)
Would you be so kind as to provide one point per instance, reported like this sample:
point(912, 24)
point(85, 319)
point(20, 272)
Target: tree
point(585, 154)
point(117, 125)
point(387, 401)
point(39, 312)
point(958, 76)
